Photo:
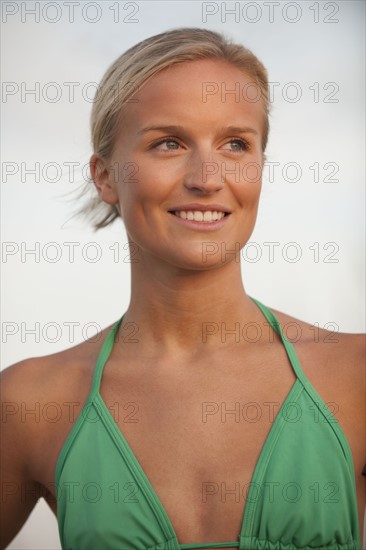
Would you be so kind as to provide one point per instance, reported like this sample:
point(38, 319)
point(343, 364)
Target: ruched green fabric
point(302, 495)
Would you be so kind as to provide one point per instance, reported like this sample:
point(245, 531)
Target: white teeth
point(199, 216)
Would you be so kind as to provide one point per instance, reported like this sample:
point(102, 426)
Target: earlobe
point(102, 176)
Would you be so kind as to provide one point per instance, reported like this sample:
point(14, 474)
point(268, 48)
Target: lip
point(203, 226)
point(202, 207)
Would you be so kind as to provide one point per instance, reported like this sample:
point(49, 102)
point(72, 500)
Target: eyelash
point(164, 141)
point(244, 143)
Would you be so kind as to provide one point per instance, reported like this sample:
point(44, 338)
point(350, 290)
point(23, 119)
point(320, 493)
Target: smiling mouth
point(206, 216)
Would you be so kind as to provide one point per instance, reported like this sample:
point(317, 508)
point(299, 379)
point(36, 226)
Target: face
point(187, 147)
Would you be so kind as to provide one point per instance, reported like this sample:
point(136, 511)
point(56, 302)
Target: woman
point(183, 432)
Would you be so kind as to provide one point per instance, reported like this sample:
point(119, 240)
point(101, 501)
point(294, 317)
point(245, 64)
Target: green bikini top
point(302, 495)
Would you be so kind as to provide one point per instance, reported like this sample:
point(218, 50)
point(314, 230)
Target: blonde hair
point(144, 60)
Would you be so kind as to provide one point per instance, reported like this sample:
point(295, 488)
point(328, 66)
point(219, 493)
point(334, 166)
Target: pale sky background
point(323, 53)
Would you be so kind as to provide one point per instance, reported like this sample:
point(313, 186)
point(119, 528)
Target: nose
point(203, 173)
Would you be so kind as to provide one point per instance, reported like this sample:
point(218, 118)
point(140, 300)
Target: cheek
point(252, 175)
point(148, 187)
point(248, 188)
point(138, 196)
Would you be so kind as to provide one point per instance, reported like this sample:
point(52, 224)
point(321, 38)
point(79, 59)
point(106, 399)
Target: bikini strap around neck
point(103, 356)
point(108, 343)
point(290, 350)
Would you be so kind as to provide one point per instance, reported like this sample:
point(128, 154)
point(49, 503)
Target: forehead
point(209, 89)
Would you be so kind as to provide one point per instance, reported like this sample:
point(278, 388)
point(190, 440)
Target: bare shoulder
point(50, 375)
point(331, 358)
point(41, 396)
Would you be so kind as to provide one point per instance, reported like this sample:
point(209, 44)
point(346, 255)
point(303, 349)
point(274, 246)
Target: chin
point(199, 255)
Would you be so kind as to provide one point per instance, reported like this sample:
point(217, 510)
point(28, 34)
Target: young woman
point(182, 435)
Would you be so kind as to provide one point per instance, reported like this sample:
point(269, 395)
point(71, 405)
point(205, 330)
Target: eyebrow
point(174, 128)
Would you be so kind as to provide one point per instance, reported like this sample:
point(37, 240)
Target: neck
point(178, 312)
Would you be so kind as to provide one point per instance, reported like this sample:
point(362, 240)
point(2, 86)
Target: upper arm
point(19, 492)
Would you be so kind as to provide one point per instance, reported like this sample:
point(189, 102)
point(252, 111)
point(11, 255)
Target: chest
point(197, 436)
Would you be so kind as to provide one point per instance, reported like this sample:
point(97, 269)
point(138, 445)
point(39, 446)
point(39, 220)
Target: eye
point(171, 144)
point(238, 145)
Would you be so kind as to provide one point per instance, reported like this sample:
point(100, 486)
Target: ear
point(102, 176)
